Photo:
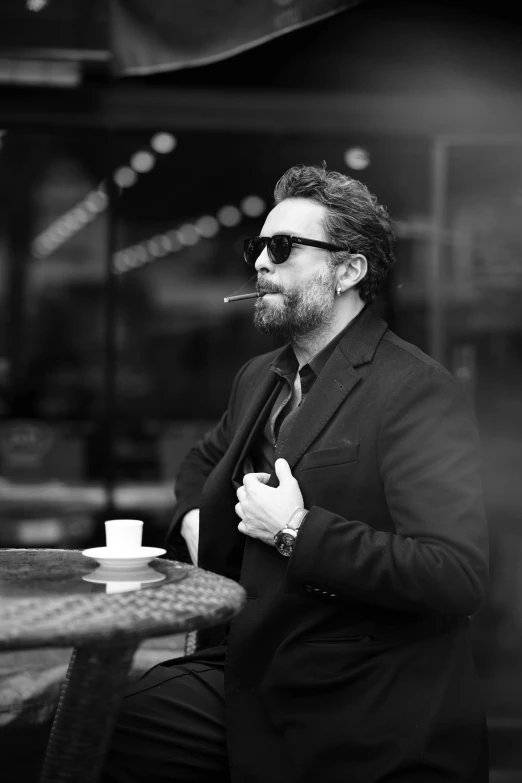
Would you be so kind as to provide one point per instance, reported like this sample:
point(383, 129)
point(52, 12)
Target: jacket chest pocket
point(328, 478)
point(339, 456)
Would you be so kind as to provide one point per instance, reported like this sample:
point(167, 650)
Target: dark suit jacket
point(352, 661)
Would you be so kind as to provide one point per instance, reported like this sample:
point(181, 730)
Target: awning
point(152, 36)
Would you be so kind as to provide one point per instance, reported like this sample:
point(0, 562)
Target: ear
point(352, 271)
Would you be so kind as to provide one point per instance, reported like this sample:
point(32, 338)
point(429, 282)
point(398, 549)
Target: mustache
point(264, 288)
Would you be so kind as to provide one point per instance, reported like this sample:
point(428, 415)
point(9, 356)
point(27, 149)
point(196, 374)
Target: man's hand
point(265, 510)
point(190, 532)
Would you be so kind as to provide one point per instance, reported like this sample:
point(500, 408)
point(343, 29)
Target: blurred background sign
point(149, 36)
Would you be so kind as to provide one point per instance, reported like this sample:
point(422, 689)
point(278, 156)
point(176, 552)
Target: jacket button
point(308, 588)
point(333, 595)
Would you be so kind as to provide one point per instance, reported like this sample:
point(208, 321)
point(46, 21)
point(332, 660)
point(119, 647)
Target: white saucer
point(123, 561)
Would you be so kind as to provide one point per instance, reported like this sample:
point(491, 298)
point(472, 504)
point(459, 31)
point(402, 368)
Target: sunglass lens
point(279, 248)
point(252, 249)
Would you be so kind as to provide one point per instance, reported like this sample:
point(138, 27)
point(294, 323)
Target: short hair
point(354, 219)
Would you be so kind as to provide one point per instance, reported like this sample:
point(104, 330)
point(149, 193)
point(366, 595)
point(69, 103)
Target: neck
point(309, 345)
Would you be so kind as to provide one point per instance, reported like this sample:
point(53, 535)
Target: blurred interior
point(124, 202)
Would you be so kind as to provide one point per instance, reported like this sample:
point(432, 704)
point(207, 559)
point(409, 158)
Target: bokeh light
point(156, 247)
point(166, 243)
point(121, 261)
point(229, 216)
point(207, 226)
point(142, 161)
point(187, 234)
point(125, 177)
point(80, 215)
point(163, 143)
point(36, 5)
point(140, 254)
point(173, 238)
point(357, 158)
point(253, 206)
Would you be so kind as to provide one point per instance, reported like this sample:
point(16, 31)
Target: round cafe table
point(60, 598)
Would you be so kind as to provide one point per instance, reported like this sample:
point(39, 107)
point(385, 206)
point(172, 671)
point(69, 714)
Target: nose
point(263, 262)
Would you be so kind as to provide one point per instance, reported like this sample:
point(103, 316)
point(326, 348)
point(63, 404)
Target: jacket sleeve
point(437, 558)
point(194, 470)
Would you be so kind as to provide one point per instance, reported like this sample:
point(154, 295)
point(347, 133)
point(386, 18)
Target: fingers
point(262, 478)
point(282, 469)
point(239, 510)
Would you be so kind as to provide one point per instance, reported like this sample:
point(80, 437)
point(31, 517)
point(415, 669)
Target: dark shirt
point(277, 427)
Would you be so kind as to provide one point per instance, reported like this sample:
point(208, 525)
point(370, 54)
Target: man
point(341, 489)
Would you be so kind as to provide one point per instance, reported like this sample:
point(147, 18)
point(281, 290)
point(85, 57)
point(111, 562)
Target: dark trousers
point(171, 726)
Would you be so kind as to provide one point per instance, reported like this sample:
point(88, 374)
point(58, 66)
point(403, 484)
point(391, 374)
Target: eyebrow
point(297, 234)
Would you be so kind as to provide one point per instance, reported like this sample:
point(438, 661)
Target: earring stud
point(338, 290)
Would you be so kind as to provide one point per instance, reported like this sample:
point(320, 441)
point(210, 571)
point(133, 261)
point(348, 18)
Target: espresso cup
point(123, 535)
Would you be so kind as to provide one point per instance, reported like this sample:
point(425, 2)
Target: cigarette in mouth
point(241, 296)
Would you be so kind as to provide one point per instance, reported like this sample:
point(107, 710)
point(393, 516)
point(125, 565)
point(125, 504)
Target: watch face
point(285, 543)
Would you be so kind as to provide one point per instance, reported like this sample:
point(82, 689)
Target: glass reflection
point(115, 580)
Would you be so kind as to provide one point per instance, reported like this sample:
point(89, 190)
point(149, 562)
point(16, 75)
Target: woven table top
point(45, 602)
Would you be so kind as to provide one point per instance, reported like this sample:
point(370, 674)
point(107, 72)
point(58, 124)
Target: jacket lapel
point(334, 384)
point(328, 392)
point(258, 409)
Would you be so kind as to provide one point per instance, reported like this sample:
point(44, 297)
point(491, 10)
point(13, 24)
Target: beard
point(302, 311)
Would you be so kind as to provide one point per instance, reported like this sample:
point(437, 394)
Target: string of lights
point(96, 201)
point(186, 235)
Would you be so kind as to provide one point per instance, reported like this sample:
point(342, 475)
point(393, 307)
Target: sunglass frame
point(293, 240)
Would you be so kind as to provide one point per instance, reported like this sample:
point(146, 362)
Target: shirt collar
point(318, 361)
point(285, 363)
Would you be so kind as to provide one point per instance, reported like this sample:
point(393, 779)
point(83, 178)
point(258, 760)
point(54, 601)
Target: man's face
point(303, 287)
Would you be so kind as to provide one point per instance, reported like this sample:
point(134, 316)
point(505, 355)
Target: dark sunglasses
point(279, 247)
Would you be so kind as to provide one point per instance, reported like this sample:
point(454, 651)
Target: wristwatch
point(284, 539)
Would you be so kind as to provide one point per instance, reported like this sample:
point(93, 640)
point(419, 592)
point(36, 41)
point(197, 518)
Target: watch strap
point(296, 518)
